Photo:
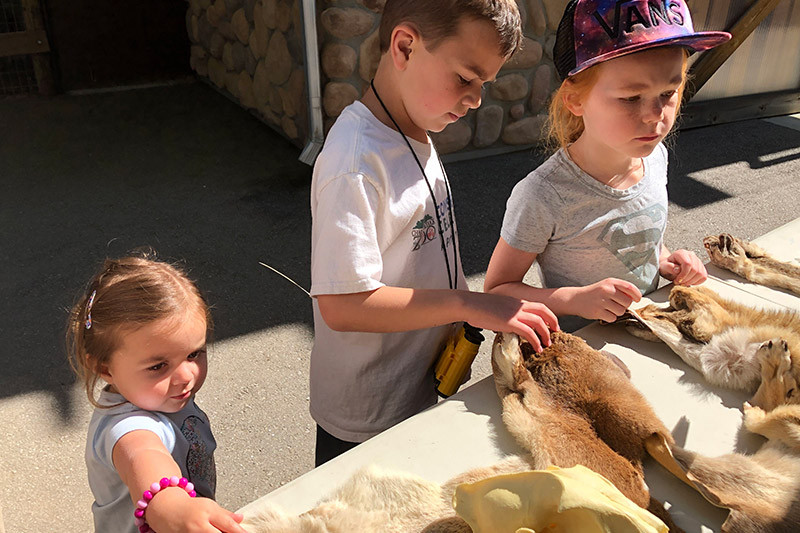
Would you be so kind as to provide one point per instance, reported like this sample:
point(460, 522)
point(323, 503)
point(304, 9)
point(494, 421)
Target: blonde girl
point(140, 331)
point(594, 214)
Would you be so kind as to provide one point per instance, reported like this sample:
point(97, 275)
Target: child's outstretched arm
point(605, 300)
point(141, 459)
point(682, 267)
point(389, 309)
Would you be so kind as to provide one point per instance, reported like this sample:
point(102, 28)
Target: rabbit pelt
point(571, 404)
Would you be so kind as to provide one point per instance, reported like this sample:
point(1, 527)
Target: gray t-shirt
point(186, 434)
point(584, 231)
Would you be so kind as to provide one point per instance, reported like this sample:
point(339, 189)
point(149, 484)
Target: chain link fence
point(17, 76)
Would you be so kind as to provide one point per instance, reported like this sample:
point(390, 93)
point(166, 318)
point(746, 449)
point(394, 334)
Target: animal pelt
point(374, 500)
point(725, 341)
point(572, 405)
point(751, 262)
point(748, 349)
point(762, 490)
point(580, 410)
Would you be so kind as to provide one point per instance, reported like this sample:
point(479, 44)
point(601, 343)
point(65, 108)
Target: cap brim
point(697, 42)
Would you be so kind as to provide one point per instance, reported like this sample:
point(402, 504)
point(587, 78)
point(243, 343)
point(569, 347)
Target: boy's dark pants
point(329, 447)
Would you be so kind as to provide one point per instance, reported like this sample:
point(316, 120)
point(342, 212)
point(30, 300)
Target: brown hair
point(437, 20)
point(564, 128)
point(128, 293)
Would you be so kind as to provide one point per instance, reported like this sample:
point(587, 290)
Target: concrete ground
point(185, 171)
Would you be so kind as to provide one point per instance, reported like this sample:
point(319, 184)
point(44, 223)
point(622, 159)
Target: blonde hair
point(128, 293)
point(563, 127)
point(439, 19)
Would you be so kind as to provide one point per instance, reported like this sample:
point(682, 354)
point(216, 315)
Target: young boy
point(387, 290)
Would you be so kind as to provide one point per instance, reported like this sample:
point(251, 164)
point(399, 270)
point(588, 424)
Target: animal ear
point(617, 361)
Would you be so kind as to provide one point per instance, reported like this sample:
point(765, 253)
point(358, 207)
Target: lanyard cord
point(450, 280)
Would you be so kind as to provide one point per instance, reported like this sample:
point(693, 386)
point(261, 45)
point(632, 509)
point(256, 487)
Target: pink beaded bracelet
point(155, 488)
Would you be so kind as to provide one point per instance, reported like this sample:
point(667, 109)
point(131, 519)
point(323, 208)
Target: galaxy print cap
point(592, 31)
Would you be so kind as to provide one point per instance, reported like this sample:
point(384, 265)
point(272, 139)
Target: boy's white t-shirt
point(374, 225)
point(185, 434)
point(584, 231)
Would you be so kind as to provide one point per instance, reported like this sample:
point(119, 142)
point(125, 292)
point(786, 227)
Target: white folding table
point(466, 430)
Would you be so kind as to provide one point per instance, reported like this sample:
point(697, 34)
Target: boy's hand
point(683, 268)
point(605, 300)
point(527, 319)
point(173, 511)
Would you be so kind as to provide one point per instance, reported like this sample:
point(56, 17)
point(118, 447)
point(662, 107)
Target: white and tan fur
point(721, 339)
point(377, 500)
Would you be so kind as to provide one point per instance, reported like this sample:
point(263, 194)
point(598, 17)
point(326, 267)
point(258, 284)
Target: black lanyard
point(453, 284)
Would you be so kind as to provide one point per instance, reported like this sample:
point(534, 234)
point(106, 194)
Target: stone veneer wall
point(513, 110)
point(253, 49)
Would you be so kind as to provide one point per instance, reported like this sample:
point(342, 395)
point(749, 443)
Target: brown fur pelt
point(573, 405)
point(751, 262)
point(727, 342)
point(762, 490)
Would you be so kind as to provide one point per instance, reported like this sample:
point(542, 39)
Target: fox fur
point(748, 349)
point(722, 340)
point(761, 490)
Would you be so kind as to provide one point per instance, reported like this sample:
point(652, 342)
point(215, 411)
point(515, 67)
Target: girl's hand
point(173, 511)
point(683, 268)
point(605, 300)
point(504, 313)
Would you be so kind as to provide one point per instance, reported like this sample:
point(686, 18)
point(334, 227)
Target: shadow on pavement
point(180, 169)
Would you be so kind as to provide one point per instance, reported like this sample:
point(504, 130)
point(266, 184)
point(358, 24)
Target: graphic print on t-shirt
point(423, 232)
point(199, 461)
point(633, 239)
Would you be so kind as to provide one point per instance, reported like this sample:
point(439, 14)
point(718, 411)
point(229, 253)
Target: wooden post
point(708, 63)
point(32, 13)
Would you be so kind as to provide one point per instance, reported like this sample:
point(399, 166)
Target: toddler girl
point(595, 212)
point(141, 328)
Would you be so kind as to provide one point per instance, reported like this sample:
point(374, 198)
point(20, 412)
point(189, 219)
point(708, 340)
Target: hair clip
point(89, 310)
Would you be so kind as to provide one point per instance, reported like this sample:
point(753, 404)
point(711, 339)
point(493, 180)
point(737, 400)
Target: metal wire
point(11, 16)
point(17, 76)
